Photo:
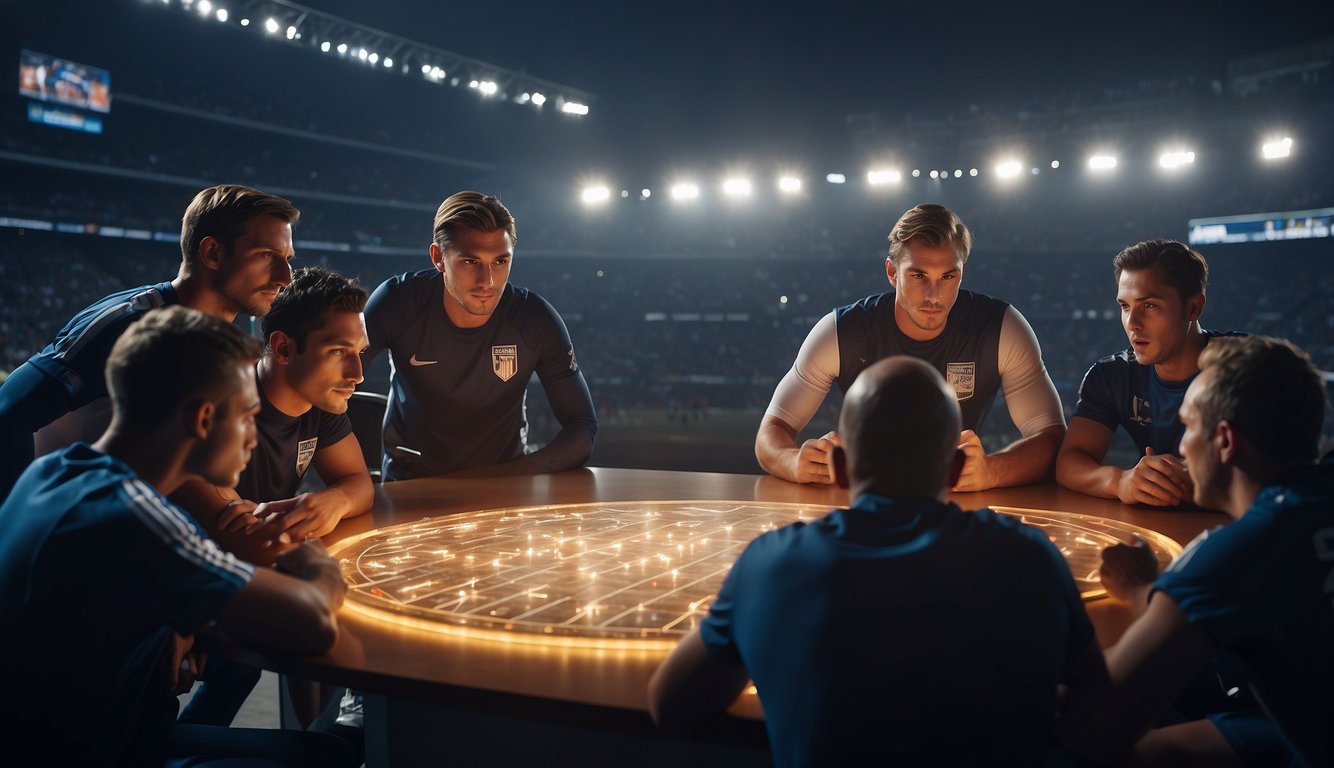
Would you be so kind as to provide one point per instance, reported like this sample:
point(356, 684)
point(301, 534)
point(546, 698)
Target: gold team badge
point(305, 451)
point(962, 377)
point(505, 361)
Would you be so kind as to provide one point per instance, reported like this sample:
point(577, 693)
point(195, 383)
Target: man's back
point(906, 629)
point(82, 658)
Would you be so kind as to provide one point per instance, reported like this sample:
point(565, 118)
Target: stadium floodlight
point(291, 33)
point(595, 195)
point(574, 108)
point(245, 22)
point(685, 191)
point(362, 53)
point(789, 184)
point(835, 178)
point(325, 46)
point(342, 47)
point(388, 62)
point(373, 58)
point(487, 87)
point(523, 98)
point(935, 174)
point(646, 193)
point(426, 69)
point(958, 173)
point(972, 171)
point(438, 73)
point(1176, 158)
point(1102, 162)
point(1055, 164)
point(539, 99)
point(204, 7)
point(881, 176)
point(916, 172)
point(221, 15)
point(1008, 169)
point(736, 187)
point(1277, 148)
point(271, 26)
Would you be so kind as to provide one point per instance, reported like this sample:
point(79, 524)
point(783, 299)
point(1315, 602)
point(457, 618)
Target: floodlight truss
point(409, 57)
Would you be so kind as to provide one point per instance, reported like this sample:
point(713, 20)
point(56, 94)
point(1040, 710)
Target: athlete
point(953, 657)
point(236, 245)
point(104, 581)
point(463, 343)
point(980, 344)
point(1256, 592)
point(310, 368)
point(1160, 287)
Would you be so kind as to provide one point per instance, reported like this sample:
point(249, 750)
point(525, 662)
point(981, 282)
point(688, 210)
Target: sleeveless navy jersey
point(286, 449)
point(456, 397)
point(965, 353)
point(1120, 391)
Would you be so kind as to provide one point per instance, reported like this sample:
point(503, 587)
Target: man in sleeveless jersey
point(902, 630)
point(1160, 287)
point(979, 344)
point(1257, 593)
point(312, 364)
point(236, 245)
point(463, 342)
point(104, 581)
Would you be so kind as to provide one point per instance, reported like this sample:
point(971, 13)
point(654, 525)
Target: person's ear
point(282, 346)
point(1227, 442)
point(891, 273)
point(956, 466)
point(1195, 307)
point(840, 466)
point(211, 252)
point(437, 257)
point(201, 415)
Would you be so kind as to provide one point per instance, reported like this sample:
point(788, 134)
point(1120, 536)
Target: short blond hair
point(471, 210)
point(934, 225)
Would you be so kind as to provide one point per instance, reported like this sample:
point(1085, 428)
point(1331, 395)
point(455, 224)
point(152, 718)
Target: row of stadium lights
point(1008, 169)
point(487, 88)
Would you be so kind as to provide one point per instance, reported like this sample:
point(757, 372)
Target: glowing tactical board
point(609, 573)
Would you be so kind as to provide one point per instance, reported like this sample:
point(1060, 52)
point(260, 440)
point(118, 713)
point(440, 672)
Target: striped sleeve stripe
point(167, 522)
point(140, 302)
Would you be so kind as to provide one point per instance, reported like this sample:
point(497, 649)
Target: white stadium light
point(685, 191)
point(426, 69)
point(362, 53)
point(539, 99)
point(935, 174)
point(1008, 169)
point(271, 26)
point(1277, 148)
point(523, 98)
point(487, 87)
point(1176, 158)
point(245, 22)
point(1102, 162)
point(325, 46)
point(835, 178)
point(916, 173)
point(736, 187)
point(595, 195)
point(1055, 164)
point(222, 15)
point(972, 171)
point(574, 108)
point(789, 184)
point(388, 62)
point(204, 7)
point(958, 173)
point(374, 57)
point(342, 47)
point(291, 33)
point(625, 194)
point(472, 83)
point(881, 176)
point(646, 193)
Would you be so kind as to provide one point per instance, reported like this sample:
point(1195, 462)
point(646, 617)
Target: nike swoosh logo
point(414, 361)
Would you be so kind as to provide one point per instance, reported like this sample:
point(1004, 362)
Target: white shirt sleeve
point(801, 391)
point(1029, 394)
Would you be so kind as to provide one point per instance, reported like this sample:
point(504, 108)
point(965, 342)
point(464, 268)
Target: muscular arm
point(29, 400)
point(1157, 480)
point(691, 686)
point(207, 503)
point(795, 401)
point(348, 491)
point(290, 609)
point(1101, 718)
point(572, 404)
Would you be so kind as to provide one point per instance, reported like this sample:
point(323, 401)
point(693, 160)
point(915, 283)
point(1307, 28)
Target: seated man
point(236, 245)
point(901, 629)
point(310, 368)
point(104, 581)
point(1160, 286)
point(1256, 591)
point(980, 344)
point(463, 343)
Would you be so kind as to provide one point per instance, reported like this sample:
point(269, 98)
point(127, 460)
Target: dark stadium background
point(685, 316)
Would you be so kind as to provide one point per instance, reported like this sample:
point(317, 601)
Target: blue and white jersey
point(97, 569)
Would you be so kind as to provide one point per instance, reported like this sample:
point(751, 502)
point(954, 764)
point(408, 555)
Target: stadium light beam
point(222, 15)
point(204, 7)
point(835, 178)
point(487, 87)
point(245, 22)
point(597, 194)
point(291, 33)
point(737, 187)
point(1176, 159)
point(342, 48)
point(685, 191)
point(882, 176)
point(789, 185)
point(1009, 169)
point(1102, 162)
point(539, 99)
point(574, 108)
point(373, 58)
point(271, 26)
point(1276, 149)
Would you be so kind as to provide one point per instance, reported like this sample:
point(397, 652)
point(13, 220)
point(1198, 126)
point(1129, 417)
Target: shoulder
point(522, 306)
point(868, 305)
point(407, 284)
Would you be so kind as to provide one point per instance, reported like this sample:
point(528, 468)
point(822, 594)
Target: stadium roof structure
point(331, 35)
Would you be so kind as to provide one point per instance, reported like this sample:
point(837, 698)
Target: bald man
point(909, 629)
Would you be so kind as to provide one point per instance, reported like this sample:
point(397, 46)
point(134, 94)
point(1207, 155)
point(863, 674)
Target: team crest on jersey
point(505, 361)
point(305, 451)
point(1140, 412)
point(963, 377)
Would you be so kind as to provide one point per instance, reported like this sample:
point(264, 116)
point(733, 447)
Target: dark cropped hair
point(313, 293)
point(170, 357)
point(471, 210)
point(1183, 268)
point(934, 225)
point(1269, 390)
point(224, 212)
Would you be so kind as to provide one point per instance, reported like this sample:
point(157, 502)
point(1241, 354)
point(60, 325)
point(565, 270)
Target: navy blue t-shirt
point(456, 398)
point(1262, 588)
point(69, 373)
point(286, 449)
point(902, 631)
point(96, 570)
point(1120, 391)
